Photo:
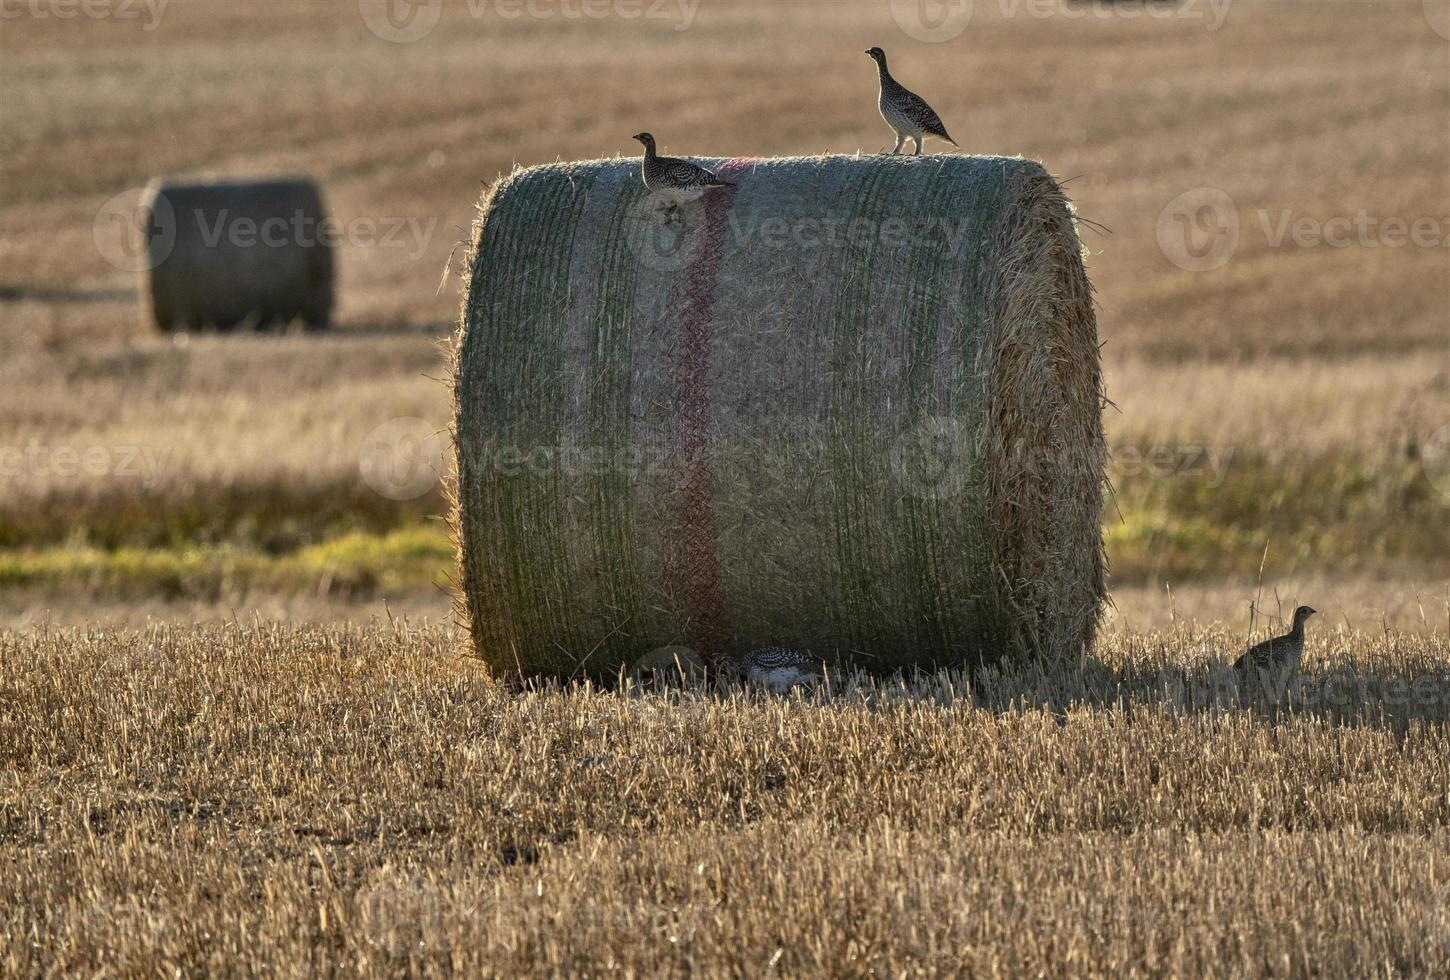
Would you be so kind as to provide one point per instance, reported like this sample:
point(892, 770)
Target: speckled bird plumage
point(778, 668)
point(1275, 660)
point(675, 178)
point(905, 112)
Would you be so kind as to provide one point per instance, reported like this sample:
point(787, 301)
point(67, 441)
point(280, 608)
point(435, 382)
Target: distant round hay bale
point(232, 253)
point(853, 407)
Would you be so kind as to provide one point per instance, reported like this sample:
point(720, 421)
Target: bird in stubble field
point(777, 667)
point(904, 111)
point(675, 180)
point(667, 666)
point(1274, 661)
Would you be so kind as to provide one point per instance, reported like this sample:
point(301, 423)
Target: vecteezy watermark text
point(1201, 229)
point(1437, 15)
point(1212, 12)
point(134, 237)
point(403, 21)
point(833, 231)
point(147, 13)
point(935, 457)
point(1363, 229)
point(385, 231)
point(1163, 462)
point(938, 21)
point(1335, 691)
point(40, 462)
point(668, 244)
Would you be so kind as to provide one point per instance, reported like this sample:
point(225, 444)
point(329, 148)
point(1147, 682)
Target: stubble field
point(282, 789)
point(285, 800)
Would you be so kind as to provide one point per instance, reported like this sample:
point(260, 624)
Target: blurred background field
point(1292, 397)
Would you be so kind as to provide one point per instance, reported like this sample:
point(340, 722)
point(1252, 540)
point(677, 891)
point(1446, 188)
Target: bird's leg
point(900, 142)
point(917, 140)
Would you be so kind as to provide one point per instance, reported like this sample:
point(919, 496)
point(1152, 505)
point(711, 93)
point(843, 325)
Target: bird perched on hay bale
point(1274, 662)
point(777, 668)
point(676, 180)
point(905, 112)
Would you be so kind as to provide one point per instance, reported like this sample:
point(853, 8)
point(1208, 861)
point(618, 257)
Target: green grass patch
point(1331, 516)
point(276, 515)
point(357, 564)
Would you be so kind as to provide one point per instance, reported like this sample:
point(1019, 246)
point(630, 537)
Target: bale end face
point(851, 406)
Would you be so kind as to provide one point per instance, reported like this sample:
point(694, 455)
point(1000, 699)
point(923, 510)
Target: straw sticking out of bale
point(228, 254)
point(853, 407)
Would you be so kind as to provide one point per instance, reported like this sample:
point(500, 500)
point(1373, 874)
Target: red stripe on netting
point(696, 560)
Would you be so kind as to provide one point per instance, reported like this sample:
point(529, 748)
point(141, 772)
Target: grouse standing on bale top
point(679, 180)
point(904, 111)
point(1274, 661)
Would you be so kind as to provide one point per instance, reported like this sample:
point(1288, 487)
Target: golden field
point(284, 791)
point(288, 801)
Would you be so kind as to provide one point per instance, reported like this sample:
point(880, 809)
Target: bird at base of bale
point(1274, 662)
point(905, 112)
point(675, 180)
point(668, 666)
point(777, 668)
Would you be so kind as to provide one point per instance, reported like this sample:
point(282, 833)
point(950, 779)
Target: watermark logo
point(1164, 462)
point(34, 461)
point(405, 21)
point(932, 21)
point(401, 21)
point(933, 459)
point(147, 13)
point(1212, 12)
point(131, 234)
point(663, 239)
point(1437, 917)
point(401, 915)
point(669, 664)
point(1198, 230)
point(667, 239)
point(135, 232)
point(937, 21)
point(222, 227)
point(403, 458)
point(1437, 15)
point(1435, 458)
point(1363, 229)
point(1216, 687)
point(944, 236)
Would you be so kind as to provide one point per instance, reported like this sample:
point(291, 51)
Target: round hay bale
point(232, 253)
point(853, 406)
